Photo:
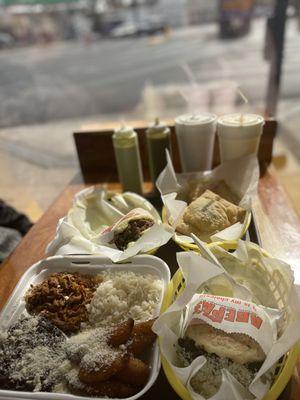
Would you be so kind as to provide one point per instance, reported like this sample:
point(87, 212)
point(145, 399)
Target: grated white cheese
point(30, 352)
point(207, 381)
point(39, 366)
point(122, 295)
point(90, 349)
point(74, 381)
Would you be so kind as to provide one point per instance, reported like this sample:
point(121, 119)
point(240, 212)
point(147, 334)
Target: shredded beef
point(132, 233)
point(62, 299)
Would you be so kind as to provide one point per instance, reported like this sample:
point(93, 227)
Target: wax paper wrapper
point(94, 213)
point(265, 277)
point(241, 175)
point(279, 328)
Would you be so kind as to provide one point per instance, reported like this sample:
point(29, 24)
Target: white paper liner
point(241, 175)
point(197, 271)
point(264, 280)
point(79, 232)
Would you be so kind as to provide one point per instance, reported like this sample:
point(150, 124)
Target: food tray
point(87, 265)
point(284, 368)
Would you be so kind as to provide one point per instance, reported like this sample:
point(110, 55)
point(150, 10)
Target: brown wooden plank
point(32, 247)
point(277, 221)
point(96, 154)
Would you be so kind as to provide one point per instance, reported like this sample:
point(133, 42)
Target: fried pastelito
point(209, 214)
point(195, 188)
point(135, 372)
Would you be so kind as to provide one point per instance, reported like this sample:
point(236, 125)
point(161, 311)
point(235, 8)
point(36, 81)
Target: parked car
point(6, 40)
point(127, 29)
point(147, 27)
point(151, 27)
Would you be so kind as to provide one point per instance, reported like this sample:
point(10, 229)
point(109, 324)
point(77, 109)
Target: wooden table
point(278, 225)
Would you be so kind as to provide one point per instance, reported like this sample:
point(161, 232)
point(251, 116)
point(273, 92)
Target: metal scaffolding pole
point(275, 34)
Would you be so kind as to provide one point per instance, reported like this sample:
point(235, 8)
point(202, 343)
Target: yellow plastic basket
point(226, 244)
point(152, 251)
point(284, 367)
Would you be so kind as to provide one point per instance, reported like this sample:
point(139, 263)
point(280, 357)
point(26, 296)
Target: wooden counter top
point(278, 225)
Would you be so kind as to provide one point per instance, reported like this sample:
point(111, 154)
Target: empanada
point(209, 214)
point(195, 188)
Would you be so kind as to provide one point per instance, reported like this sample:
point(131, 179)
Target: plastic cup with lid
point(196, 136)
point(239, 135)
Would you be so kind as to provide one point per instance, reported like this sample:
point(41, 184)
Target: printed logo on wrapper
point(235, 316)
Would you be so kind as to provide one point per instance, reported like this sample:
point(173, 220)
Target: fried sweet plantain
point(142, 337)
point(104, 371)
point(121, 333)
point(135, 372)
point(144, 327)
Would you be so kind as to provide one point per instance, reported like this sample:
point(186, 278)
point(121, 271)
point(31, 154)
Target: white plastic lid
point(238, 120)
point(196, 119)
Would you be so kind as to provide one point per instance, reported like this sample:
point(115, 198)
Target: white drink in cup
point(239, 135)
point(196, 136)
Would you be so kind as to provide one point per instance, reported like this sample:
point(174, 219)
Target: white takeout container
point(87, 264)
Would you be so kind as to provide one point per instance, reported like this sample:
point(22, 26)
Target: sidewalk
point(36, 163)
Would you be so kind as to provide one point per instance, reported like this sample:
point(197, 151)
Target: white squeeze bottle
point(126, 147)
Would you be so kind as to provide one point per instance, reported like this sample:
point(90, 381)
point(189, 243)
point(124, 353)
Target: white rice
point(125, 294)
